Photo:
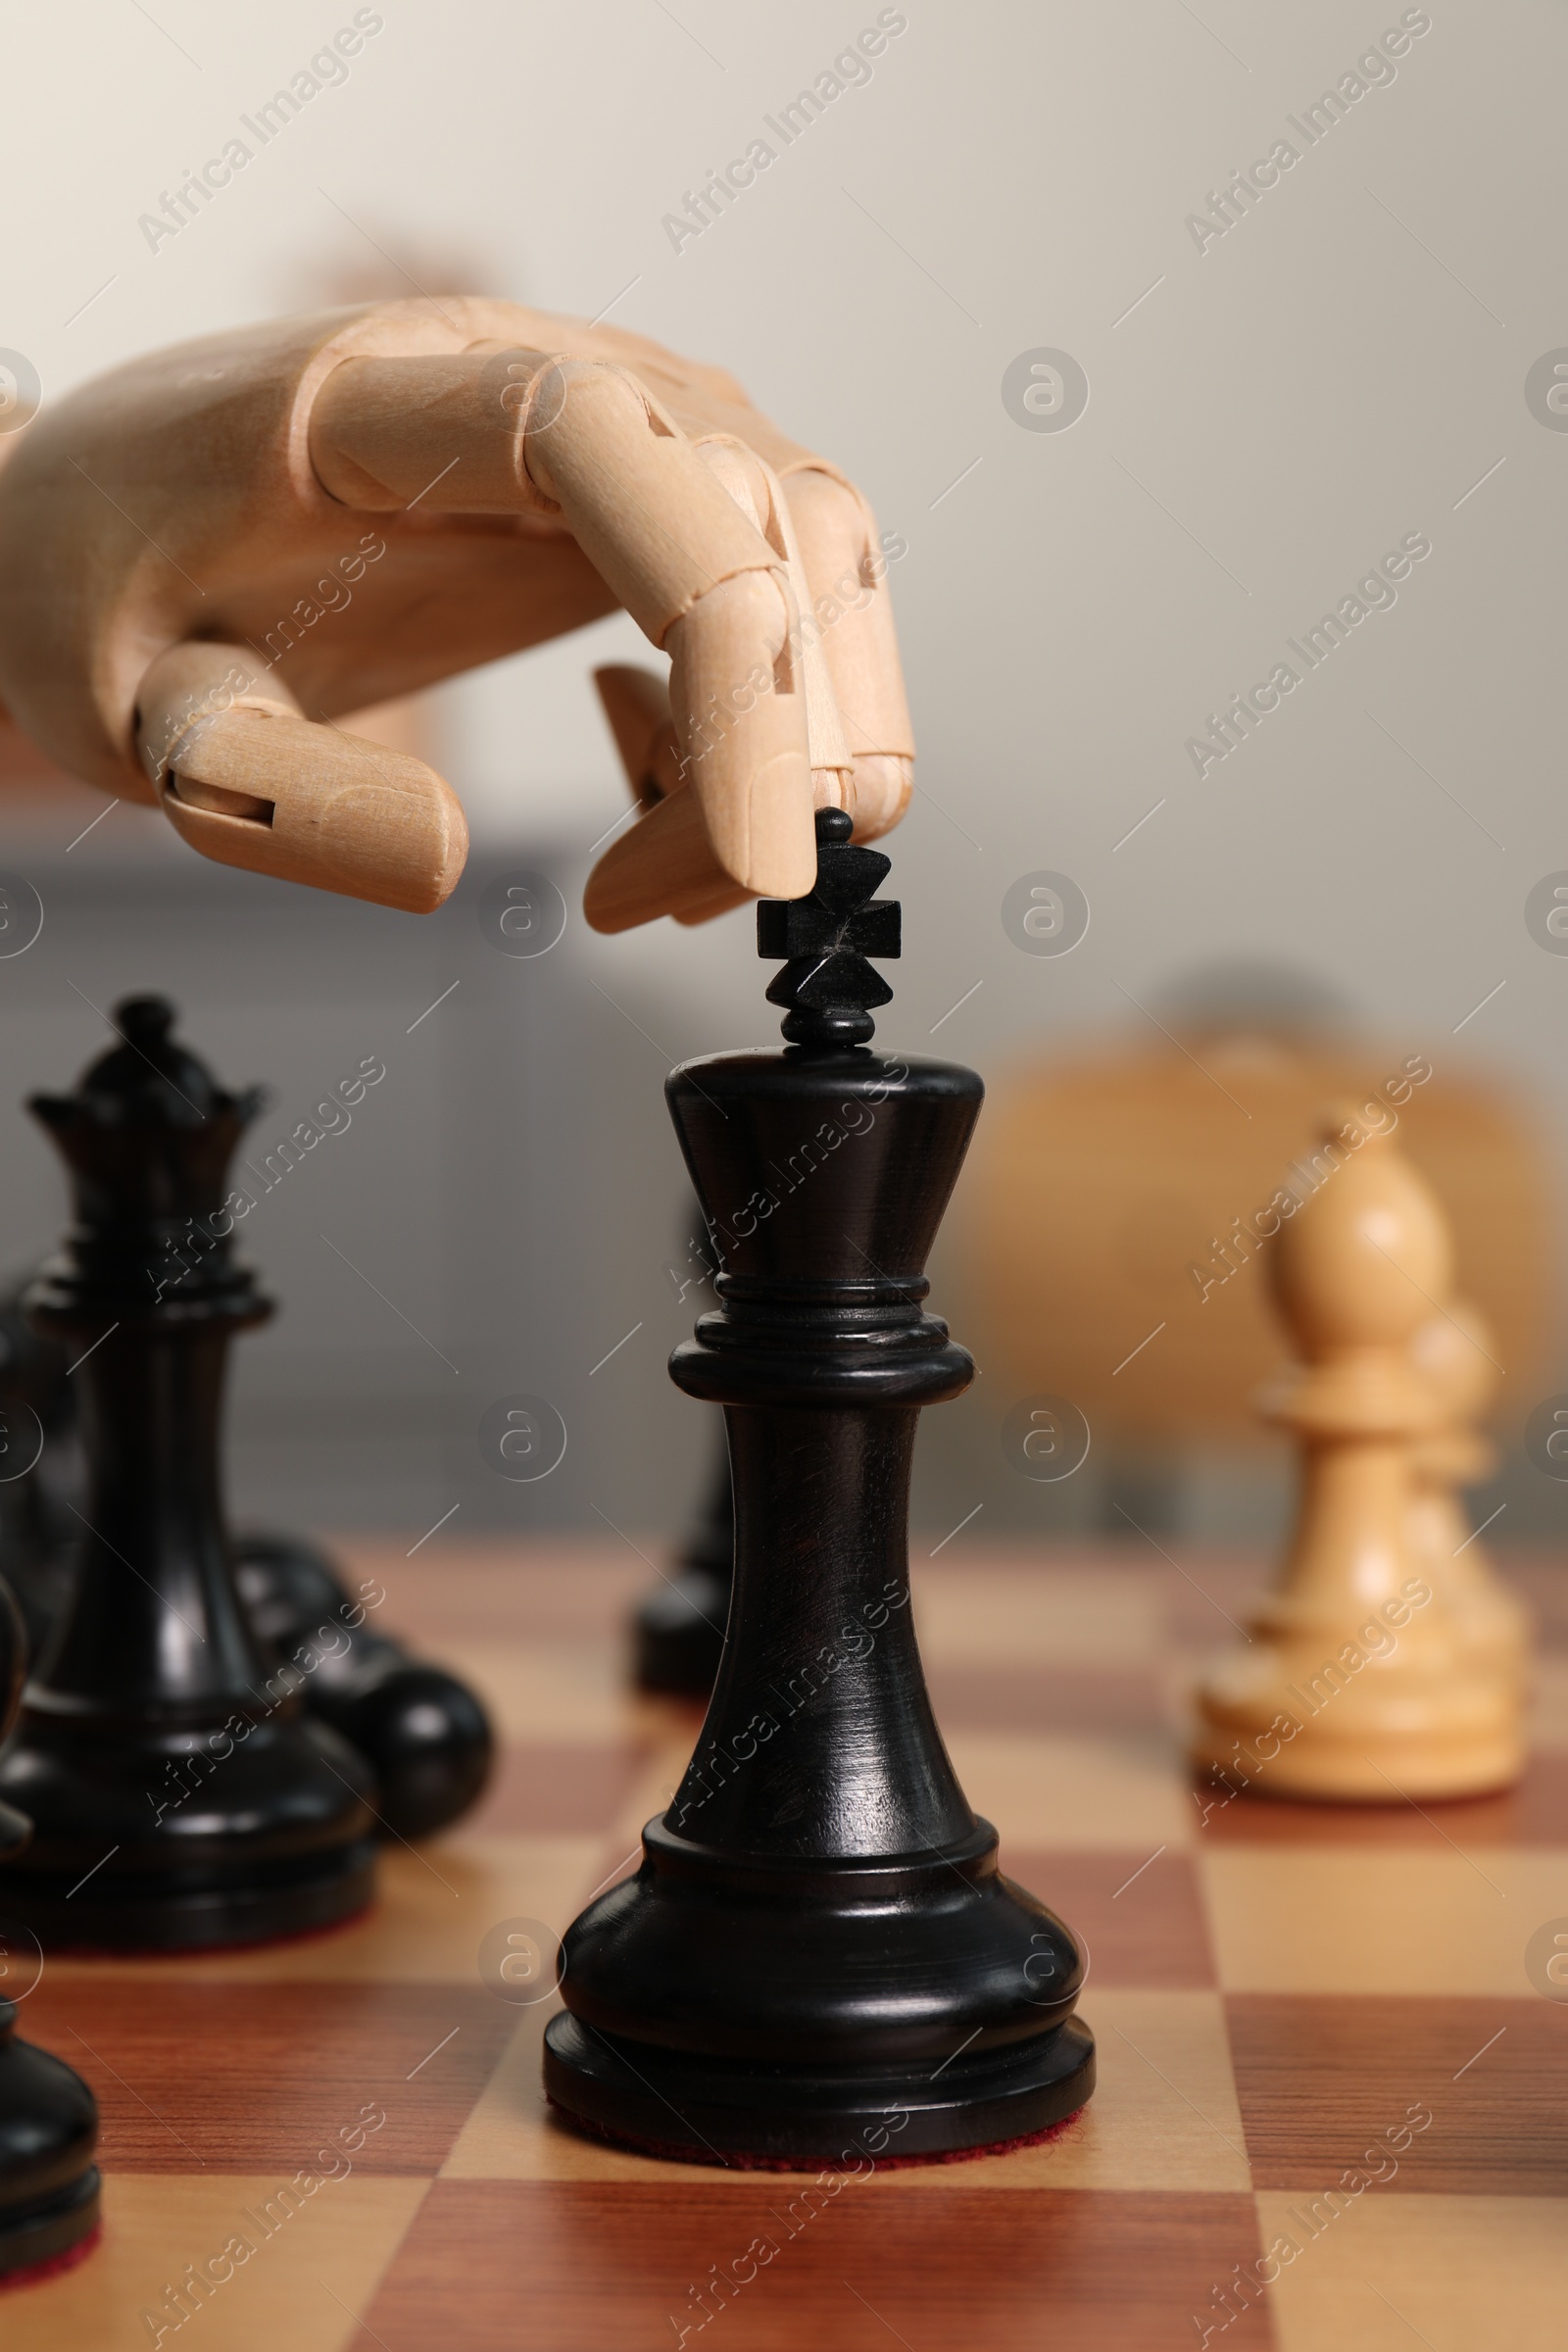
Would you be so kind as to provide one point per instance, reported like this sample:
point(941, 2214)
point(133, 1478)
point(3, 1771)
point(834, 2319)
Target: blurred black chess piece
point(678, 1632)
point(40, 1465)
point(48, 2117)
point(818, 1951)
point(423, 1732)
point(152, 1692)
point(680, 1626)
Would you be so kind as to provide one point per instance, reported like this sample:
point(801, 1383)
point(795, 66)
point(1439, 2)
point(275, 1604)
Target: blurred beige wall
point(1288, 382)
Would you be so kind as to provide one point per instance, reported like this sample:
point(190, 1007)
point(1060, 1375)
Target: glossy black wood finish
point(819, 1936)
point(48, 2117)
point(33, 1541)
point(678, 1629)
point(179, 1797)
point(678, 1633)
point(422, 1731)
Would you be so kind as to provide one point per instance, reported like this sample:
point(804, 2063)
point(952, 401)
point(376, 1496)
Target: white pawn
point(1453, 1354)
point(1358, 1682)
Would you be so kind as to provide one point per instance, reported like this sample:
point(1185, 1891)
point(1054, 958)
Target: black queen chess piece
point(34, 1432)
point(423, 1733)
point(48, 2117)
point(180, 1799)
point(819, 1954)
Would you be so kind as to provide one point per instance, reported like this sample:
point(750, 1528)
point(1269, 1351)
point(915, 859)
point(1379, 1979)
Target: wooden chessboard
point(1274, 1991)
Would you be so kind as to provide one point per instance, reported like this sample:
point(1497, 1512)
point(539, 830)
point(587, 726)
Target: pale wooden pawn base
point(1373, 1743)
point(1490, 1625)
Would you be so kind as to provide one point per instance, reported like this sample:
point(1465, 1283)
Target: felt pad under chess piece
point(818, 1959)
point(178, 1798)
point(48, 2117)
point(423, 1733)
point(1358, 1682)
point(679, 1630)
point(1454, 1353)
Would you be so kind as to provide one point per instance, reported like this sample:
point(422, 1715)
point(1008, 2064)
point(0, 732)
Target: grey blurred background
point(1269, 410)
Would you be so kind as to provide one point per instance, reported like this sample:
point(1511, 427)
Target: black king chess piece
point(818, 1957)
point(48, 2117)
point(179, 1796)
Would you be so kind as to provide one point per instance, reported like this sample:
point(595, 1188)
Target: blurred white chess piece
point(1361, 1680)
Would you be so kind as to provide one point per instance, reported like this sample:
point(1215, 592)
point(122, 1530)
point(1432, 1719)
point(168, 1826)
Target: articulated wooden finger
point(719, 901)
point(637, 706)
point(188, 686)
point(741, 722)
point(756, 489)
point(651, 517)
point(490, 431)
point(444, 431)
point(848, 615)
point(310, 804)
point(664, 865)
point(246, 780)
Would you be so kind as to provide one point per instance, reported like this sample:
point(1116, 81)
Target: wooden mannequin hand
point(209, 554)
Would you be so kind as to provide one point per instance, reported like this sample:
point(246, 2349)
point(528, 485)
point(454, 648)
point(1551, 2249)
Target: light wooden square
point(1076, 1789)
point(536, 1692)
point(306, 2286)
point(984, 1615)
point(1458, 2273)
point(1163, 2117)
point(1376, 1920)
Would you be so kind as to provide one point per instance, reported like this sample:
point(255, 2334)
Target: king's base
point(850, 2161)
point(713, 2110)
point(191, 1911)
point(680, 1633)
point(37, 2234)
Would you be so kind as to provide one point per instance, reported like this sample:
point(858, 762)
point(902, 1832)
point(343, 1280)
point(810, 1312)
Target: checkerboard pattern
point(1275, 1991)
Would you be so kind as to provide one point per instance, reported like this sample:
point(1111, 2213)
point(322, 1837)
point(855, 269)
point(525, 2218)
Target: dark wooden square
point(1320, 2077)
point(194, 2075)
point(1141, 1919)
point(1043, 1700)
point(1533, 1813)
point(558, 1790)
point(583, 2268)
